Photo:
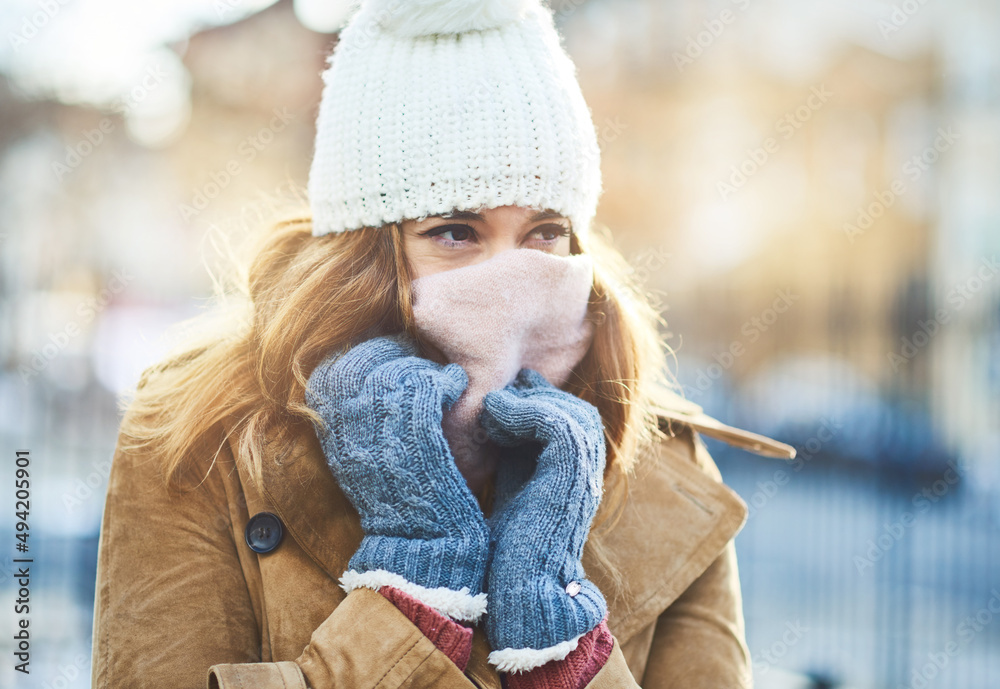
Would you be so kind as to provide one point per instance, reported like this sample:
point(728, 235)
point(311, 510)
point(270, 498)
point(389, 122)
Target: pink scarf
point(522, 308)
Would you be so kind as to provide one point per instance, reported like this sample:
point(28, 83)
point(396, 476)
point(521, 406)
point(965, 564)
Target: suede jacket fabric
point(183, 602)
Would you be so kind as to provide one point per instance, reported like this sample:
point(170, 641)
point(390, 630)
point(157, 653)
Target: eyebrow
point(469, 215)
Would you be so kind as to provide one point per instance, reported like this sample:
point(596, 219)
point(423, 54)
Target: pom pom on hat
point(425, 17)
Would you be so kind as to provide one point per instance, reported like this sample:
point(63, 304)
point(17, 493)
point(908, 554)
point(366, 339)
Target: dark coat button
point(264, 532)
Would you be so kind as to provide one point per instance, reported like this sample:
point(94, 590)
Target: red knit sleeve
point(452, 638)
point(572, 672)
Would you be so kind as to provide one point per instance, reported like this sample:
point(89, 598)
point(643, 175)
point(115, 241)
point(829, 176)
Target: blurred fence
point(865, 576)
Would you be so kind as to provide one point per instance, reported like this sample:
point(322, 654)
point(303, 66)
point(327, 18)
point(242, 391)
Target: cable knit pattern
point(540, 602)
point(382, 439)
point(429, 106)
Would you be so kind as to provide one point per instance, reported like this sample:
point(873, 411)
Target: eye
point(550, 232)
point(457, 234)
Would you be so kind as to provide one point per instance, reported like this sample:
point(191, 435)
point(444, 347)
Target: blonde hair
point(299, 297)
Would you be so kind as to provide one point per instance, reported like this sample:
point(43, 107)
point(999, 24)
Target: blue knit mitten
point(540, 602)
point(424, 530)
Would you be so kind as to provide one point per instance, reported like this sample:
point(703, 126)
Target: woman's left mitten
point(424, 530)
point(540, 601)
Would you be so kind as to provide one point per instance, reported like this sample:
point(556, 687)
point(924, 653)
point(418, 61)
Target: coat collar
point(674, 408)
point(656, 564)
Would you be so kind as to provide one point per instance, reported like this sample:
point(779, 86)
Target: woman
point(289, 503)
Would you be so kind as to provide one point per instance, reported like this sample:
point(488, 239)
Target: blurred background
point(810, 189)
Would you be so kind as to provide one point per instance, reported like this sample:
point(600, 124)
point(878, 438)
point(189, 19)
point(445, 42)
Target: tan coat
point(183, 602)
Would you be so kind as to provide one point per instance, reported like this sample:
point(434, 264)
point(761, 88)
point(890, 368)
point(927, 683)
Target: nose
point(497, 243)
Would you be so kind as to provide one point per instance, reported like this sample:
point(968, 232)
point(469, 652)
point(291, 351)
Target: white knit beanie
point(431, 106)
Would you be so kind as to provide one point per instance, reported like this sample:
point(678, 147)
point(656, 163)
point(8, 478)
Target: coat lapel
point(676, 522)
point(304, 493)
